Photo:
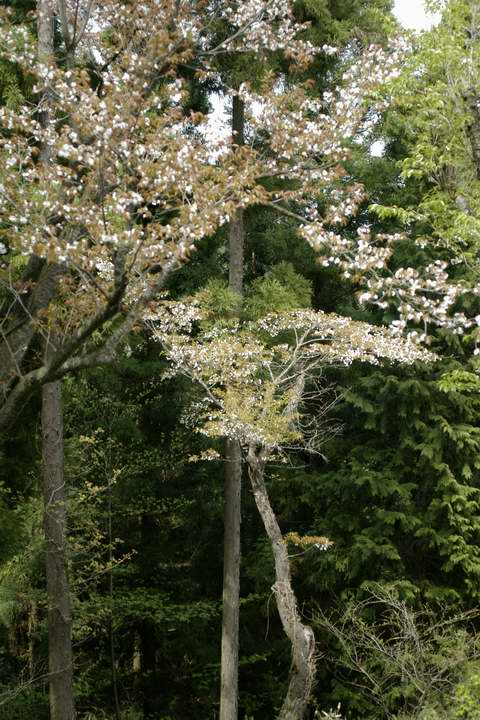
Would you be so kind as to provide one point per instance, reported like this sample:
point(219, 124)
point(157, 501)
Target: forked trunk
point(302, 671)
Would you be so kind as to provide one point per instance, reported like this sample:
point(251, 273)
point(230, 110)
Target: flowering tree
point(258, 382)
point(435, 102)
point(438, 95)
point(133, 181)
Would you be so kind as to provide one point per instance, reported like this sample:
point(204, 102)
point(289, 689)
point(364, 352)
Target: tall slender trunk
point(231, 581)
point(302, 671)
point(233, 485)
point(237, 230)
point(58, 591)
point(54, 495)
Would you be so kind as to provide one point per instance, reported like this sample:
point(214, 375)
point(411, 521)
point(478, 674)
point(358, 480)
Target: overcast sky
point(411, 14)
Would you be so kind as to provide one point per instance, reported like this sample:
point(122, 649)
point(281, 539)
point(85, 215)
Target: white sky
point(412, 14)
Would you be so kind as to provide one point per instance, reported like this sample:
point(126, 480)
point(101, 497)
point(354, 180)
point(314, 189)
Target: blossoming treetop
point(133, 180)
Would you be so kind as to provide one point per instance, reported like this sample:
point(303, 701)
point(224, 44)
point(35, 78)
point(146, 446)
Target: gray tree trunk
point(302, 639)
point(54, 523)
point(237, 230)
point(54, 496)
point(233, 486)
point(231, 581)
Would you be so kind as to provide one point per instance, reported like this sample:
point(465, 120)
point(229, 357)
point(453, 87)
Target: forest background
point(395, 487)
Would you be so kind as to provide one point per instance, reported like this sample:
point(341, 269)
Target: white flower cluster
point(421, 297)
point(341, 340)
point(129, 173)
point(249, 374)
point(268, 25)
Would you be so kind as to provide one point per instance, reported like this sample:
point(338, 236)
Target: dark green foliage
point(10, 88)
point(26, 705)
point(392, 661)
point(167, 550)
point(281, 289)
point(400, 497)
point(14, 86)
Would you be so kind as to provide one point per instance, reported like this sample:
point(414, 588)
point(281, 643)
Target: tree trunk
point(58, 591)
point(231, 581)
point(237, 230)
point(46, 56)
point(302, 671)
point(233, 485)
point(54, 495)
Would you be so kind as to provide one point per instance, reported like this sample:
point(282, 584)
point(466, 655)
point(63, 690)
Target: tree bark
point(231, 581)
point(302, 639)
point(54, 495)
point(237, 230)
point(58, 591)
point(233, 486)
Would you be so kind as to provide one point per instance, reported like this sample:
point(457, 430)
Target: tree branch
point(65, 360)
